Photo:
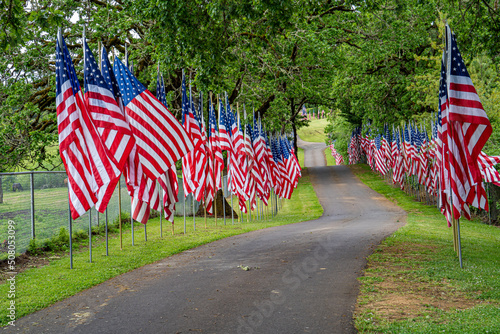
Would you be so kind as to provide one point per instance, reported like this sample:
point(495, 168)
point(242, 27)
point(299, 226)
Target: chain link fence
point(38, 203)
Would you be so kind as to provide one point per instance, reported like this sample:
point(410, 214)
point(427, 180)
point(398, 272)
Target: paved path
point(303, 276)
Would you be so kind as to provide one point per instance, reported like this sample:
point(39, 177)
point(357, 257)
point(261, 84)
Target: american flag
point(488, 171)
point(202, 153)
point(253, 171)
point(398, 164)
point(160, 88)
point(213, 137)
point(224, 129)
point(264, 166)
point(192, 127)
point(275, 166)
point(114, 131)
point(294, 163)
point(469, 129)
point(134, 177)
point(259, 150)
point(287, 172)
point(263, 163)
point(167, 181)
point(380, 156)
point(170, 185)
point(161, 139)
point(72, 122)
point(338, 157)
point(237, 166)
point(271, 164)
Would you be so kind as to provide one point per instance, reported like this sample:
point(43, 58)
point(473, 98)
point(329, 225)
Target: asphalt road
point(302, 277)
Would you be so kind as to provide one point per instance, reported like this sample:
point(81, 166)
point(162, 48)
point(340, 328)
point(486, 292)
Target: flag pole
point(459, 244)
point(222, 174)
point(213, 160)
point(184, 196)
point(202, 118)
point(107, 250)
point(106, 212)
point(70, 227)
point(90, 235)
point(131, 220)
point(161, 212)
point(232, 207)
point(194, 112)
point(455, 222)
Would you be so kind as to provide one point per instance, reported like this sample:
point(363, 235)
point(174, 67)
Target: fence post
point(32, 188)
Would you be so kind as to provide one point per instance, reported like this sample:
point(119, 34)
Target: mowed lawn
point(38, 288)
point(314, 132)
point(413, 282)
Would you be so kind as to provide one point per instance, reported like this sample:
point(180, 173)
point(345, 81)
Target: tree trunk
point(220, 208)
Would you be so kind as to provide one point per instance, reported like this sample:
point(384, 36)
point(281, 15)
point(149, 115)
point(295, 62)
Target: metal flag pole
point(455, 222)
point(120, 215)
point(213, 167)
point(131, 222)
point(90, 235)
point(227, 169)
point(194, 214)
point(70, 227)
point(107, 250)
point(203, 128)
point(184, 196)
point(161, 213)
point(459, 244)
point(145, 233)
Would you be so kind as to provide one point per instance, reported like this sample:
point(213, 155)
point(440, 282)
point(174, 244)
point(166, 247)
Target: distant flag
point(192, 127)
point(224, 128)
point(202, 153)
point(213, 137)
point(160, 88)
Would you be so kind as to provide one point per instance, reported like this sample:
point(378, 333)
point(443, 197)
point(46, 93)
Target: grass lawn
point(38, 288)
point(315, 132)
point(300, 155)
point(330, 160)
point(413, 282)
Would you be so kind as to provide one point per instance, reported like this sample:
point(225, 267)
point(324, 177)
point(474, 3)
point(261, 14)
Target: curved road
point(303, 276)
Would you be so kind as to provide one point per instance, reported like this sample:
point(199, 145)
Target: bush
point(33, 248)
point(125, 220)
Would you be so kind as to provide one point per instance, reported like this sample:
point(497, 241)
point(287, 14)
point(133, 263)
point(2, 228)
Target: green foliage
point(339, 130)
point(57, 243)
point(370, 60)
point(125, 219)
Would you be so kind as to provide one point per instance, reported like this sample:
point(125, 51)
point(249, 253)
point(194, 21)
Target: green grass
point(330, 160)
point(38, 288)
point(315, 132)
point(428, 259)
point(300, 155)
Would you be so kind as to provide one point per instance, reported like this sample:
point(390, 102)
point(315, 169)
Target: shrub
point(125, 220)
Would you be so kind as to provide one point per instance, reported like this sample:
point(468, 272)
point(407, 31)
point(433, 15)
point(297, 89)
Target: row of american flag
point(117, 126)
point(450, 164)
